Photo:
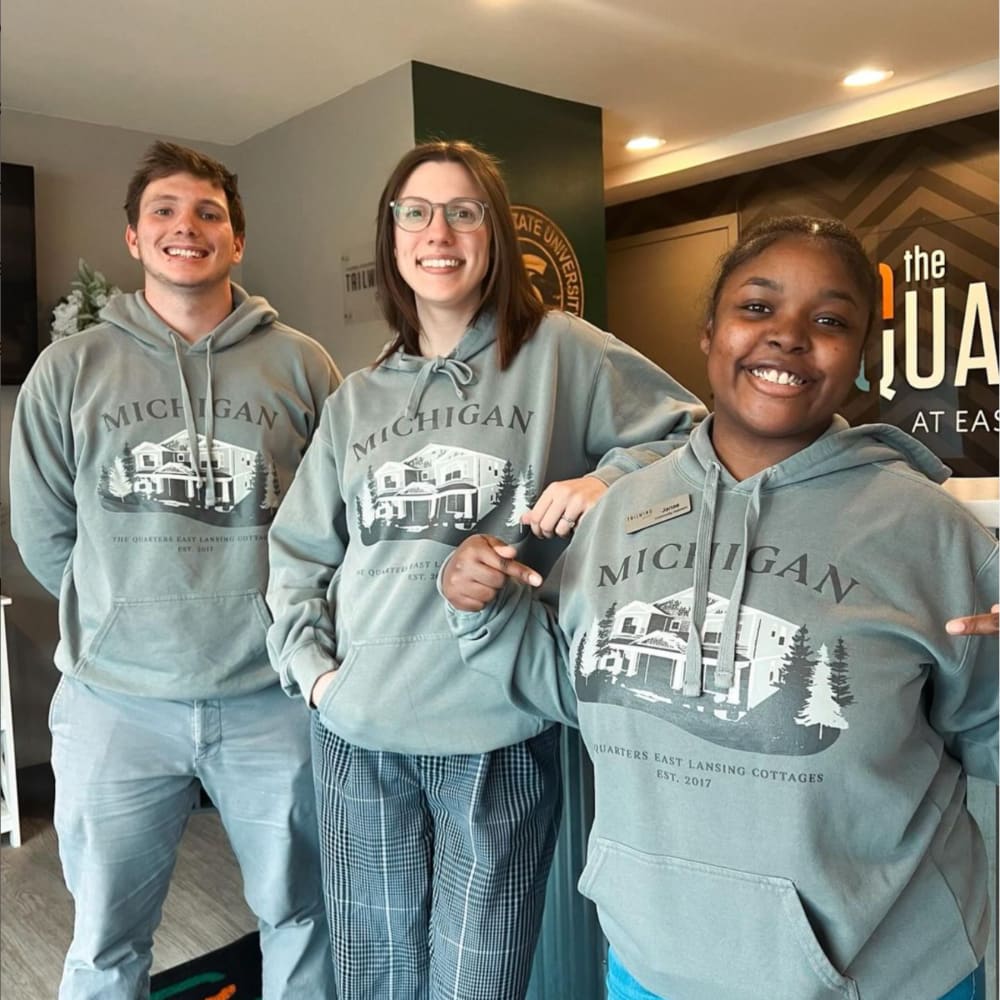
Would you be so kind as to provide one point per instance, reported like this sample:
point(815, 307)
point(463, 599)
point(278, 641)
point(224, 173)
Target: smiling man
point(148, 458)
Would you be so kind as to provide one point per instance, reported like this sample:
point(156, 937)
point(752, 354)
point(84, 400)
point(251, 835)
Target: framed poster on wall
point(18, 295)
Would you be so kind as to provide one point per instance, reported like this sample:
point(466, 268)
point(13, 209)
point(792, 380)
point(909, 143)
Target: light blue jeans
point(622, 986)
point(126, 770)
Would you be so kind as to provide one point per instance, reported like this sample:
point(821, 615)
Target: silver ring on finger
point(568, 520)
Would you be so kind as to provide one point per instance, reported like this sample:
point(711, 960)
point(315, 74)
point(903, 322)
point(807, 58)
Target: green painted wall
point(550, 152)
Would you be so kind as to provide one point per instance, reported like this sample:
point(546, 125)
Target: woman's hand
point(477, 569)
point(988, 624)
point(319, 687)
point(563, 505)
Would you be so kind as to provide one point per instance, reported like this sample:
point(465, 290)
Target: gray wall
point(81, 172)
point(310, 186)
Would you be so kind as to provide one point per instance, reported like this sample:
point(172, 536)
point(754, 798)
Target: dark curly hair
point(835, 234)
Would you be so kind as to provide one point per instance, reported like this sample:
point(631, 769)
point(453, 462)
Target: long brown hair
point(506, 288)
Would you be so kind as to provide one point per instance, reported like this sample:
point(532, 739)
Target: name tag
point(656, 515)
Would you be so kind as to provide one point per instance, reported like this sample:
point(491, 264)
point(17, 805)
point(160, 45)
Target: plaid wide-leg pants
point(434, 868)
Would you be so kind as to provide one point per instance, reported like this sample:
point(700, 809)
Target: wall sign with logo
point(358, 276)
point(934, 367)
point(925, 205)
point(550, 260)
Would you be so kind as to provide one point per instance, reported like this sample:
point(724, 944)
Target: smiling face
point(445, 269)
point(183, 235)
point(783, 350)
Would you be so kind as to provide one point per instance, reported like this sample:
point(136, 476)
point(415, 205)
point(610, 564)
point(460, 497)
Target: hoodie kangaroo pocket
point(213, 636)
point(339, 678)
point(413, 694)
point(695, 930)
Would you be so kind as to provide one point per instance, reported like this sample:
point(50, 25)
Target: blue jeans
point(126, 770)
point(622, 986)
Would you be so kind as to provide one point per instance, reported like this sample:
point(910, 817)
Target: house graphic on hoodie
point(162, 475)
point(443, 492)
point(785, 697)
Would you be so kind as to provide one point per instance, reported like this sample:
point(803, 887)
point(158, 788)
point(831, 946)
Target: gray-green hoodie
point(410, 458)
point(144, 473)
point(780, 806)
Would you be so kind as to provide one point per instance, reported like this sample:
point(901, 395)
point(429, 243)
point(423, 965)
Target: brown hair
point(839, 238)
point(506, 287)
point(163, 159)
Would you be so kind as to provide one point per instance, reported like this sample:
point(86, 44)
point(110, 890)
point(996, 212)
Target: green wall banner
point(550, 154)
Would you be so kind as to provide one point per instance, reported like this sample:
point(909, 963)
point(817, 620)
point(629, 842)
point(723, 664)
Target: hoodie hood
point(132, 314)
point(841, 447)
point(477, 338)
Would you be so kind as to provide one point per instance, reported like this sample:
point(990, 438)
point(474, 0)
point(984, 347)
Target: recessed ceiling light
point(644, 143)
point(866, 77)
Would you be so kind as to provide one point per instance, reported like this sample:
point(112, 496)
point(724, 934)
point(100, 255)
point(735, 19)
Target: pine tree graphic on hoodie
point(782, 699)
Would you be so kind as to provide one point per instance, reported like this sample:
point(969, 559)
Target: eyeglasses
point(464, 215)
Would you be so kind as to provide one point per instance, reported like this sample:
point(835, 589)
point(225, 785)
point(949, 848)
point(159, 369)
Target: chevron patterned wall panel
point(925, 204)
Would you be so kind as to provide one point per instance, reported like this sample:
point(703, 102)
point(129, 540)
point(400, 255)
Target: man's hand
point(319, 687)
point(988, 624)
point(477, 570)
point(562, 505)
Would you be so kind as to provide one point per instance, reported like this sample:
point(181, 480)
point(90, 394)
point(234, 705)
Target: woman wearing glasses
point(439, 798)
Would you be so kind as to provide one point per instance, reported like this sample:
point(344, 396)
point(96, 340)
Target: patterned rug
point(231, 973)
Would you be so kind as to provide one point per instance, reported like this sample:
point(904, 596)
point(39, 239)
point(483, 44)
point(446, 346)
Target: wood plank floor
point(205, 907)
point(204, 910)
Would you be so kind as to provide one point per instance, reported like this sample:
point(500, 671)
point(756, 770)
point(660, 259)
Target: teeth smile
point(440, 262)
point(777, 377)
point(181, 252)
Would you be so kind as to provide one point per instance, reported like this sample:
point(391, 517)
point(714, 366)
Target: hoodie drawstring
point(725, 663)
point(458, 371)
point(194, 445)
point(699, 598)
point(725, 669)
point(209, 426)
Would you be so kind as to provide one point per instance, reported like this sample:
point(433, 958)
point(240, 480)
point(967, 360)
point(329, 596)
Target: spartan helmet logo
point(543, 280)
point(549, 259)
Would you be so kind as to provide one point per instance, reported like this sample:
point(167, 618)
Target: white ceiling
point(731, 84)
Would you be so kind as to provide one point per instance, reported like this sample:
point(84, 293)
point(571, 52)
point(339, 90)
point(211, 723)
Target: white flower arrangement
point(91, 292)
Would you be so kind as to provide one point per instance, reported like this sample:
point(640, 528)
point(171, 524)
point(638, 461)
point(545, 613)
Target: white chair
point(980, 496)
